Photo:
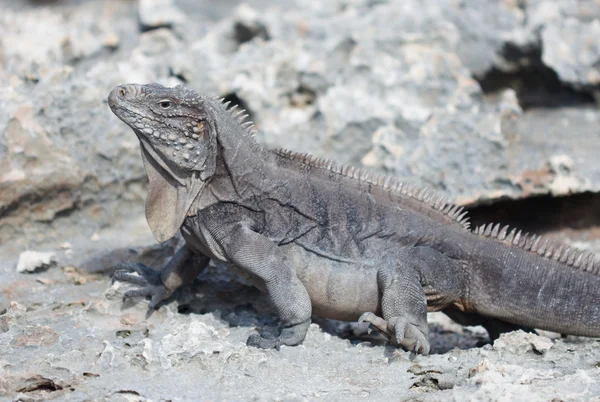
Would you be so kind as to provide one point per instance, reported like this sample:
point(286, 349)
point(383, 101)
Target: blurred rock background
point(492, 102)
point(483, 101)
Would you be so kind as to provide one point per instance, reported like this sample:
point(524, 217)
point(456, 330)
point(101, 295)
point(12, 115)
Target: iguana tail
point(534, 282)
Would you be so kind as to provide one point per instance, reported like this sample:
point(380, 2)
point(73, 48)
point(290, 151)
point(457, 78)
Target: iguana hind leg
point(403, 299)
point(160, 285)
point(404, 307)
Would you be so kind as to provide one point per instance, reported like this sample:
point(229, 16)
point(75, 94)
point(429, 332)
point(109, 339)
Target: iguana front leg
point(260, 256)
point(160, 285)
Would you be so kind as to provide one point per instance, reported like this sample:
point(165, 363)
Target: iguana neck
point(241, 161)
point(241, 157)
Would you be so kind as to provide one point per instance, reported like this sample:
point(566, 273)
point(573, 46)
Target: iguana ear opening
point(170, 196)
point(207, 160)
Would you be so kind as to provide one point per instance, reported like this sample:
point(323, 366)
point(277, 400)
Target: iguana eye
point(165, 104)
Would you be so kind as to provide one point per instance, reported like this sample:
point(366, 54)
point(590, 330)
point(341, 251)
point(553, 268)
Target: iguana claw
point(149, 280)
point(401, 331)
point(376, 322)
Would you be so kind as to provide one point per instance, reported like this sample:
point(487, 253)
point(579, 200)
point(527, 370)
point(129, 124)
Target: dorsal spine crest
point(239, 115)
point(543, 247)
point(422, 194)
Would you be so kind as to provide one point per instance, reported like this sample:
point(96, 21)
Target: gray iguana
point(334, 241)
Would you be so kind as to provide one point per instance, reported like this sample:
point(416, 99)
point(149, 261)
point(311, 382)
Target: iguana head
point(178, 136)
point(176, 123)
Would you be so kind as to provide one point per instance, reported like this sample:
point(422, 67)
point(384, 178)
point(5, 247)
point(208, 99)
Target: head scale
point(176, 123)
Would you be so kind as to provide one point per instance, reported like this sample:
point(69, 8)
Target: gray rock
point(571, 48)
point(159, 13)
point(544, 12)
point(519, 343)
point(32, 261)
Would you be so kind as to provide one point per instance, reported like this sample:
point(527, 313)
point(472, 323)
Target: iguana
point(334, 241)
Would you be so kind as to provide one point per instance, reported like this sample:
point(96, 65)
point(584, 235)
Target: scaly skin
point(333, 241)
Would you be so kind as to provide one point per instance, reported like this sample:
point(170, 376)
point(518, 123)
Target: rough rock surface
point(484, 101)
point(68, 337)
point(31, 261)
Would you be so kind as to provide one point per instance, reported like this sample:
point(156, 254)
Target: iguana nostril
point(122, 92)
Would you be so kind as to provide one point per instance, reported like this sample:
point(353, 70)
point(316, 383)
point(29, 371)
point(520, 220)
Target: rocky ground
point(494, 103)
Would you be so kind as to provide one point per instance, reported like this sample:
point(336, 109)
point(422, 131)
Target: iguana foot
point(402, 331)
point(290, 336)
point(149, 281)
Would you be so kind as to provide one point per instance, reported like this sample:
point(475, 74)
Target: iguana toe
point(290, 336)
point(411, 334)
point(401, 331)
point(140, 292)
point(376, 322)
point(264, 341)
point(125, 277)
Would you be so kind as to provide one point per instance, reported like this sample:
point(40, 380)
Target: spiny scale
point(543, 247)
point(425, 195)
point(239, 115)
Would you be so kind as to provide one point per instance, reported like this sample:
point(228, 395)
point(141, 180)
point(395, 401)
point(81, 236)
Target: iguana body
point(334, 241)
